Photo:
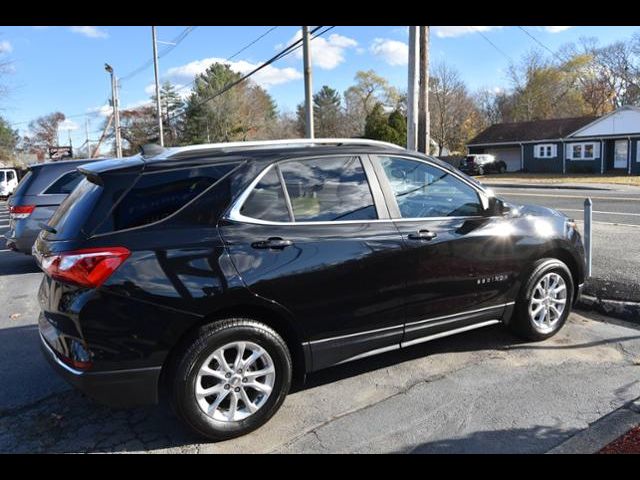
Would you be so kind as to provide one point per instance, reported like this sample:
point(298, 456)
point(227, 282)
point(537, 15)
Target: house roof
point(531, 131)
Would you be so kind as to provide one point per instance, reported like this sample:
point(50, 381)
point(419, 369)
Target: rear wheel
point(544, 303)
point(231, 378)
point(502, 168)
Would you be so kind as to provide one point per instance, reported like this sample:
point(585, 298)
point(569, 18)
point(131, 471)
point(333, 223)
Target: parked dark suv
point(221, 272)
point(482, 163)
point(36, 198)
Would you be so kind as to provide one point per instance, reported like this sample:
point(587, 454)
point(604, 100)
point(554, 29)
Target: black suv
point(481, 164)
point(222, 272)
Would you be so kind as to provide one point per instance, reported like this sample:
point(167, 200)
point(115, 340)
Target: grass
point(552, 178)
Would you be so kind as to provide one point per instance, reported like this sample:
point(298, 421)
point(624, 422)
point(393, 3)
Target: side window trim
point(285, 192)
point(391, 198)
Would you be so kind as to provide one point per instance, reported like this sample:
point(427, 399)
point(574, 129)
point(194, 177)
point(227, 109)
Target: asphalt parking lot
point(483, 391)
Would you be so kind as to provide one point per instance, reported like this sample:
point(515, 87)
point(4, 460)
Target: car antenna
point(151, 150)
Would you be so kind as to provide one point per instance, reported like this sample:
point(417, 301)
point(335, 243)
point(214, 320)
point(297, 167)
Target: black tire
point(521, 324)
point(480, 171)
point(502, 168)
point(182, 375)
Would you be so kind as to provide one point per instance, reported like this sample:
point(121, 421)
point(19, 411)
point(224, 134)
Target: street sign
point(60, 153)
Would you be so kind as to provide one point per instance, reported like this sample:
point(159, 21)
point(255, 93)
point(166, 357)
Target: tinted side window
point(157, 195)
point(266, 201)
point(424, 191)
point(2, 176)
point(328, 189)
point(10, 175)
point(65, 184)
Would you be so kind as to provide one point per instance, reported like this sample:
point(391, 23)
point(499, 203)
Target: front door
point(621, 154)
point(318, 248)
point(458, 270)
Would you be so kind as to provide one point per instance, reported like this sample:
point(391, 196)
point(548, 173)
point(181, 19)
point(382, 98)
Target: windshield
point(73, 212)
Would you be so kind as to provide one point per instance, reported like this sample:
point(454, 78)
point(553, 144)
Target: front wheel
point(545, 301)
point(231, 378)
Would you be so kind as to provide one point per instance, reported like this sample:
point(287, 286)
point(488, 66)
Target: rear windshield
point(65, 184)
point(22, 187)
point(74, 211)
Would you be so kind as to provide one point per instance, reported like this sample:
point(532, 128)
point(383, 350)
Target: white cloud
point(392, 51)
point(444, 32)
point(5, 47)
point(326, 53)
point(266, 77)
point(182, 90)
point(68, 125)
point(91, 32)
point(556, 29)
point(103, 110)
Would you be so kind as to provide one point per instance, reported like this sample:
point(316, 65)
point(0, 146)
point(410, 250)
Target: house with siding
point(607, 144)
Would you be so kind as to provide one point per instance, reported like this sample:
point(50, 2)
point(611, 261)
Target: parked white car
point(8, 181)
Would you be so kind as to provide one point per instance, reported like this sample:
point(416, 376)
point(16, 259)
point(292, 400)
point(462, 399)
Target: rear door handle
point(275, 243)
point(423, 235)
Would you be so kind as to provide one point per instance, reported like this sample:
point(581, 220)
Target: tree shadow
point(537, 439)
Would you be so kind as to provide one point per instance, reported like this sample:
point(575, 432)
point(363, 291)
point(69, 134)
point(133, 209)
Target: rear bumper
point(121, 388)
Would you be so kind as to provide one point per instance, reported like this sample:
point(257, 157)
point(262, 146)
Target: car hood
point(534, 210)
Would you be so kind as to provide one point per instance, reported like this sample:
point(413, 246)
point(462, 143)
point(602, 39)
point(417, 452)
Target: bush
point(580, 169)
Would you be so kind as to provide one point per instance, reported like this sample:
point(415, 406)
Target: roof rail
point(297, 142)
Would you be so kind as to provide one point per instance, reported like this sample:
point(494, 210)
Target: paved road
point(619, 205)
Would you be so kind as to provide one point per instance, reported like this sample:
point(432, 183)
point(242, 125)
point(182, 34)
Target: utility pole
point(308, 87)
point(116, 114)
point(86, 132)
point(158, 100)
point(423, 101)
point(412, 90)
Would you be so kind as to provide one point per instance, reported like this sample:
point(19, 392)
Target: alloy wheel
point(235, 381)
point(548, 302)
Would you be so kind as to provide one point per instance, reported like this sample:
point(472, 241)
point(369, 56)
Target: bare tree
point(454, 116)
point(43, 133)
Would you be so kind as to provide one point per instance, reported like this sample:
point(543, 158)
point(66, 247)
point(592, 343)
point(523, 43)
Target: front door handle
point(423, 235)
point(276, 243)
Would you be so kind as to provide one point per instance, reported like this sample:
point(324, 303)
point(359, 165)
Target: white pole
point(308, 84)
point(412, 90)
point(588, 247)
point(158, 101)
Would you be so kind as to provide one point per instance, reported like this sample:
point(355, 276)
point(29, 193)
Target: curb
point(602, 432)
point(543, 186)
point(628, 311)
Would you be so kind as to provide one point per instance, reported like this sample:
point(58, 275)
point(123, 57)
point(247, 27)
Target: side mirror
point(495, 206)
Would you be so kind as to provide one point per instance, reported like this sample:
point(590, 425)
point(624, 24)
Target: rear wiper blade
point(47, 228)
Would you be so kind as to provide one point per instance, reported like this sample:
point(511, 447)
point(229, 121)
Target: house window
point(545, 151)
point(582, 151)
point(638, 151)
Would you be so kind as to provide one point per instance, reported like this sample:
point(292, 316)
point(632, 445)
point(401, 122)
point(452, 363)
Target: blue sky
point(62, 68)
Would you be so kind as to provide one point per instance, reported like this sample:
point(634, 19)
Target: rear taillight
point(90, 267)
point(21, 211)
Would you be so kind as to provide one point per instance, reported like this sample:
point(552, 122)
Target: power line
point(283, 53)
point(176, 41)
point(495, 46)
point(253, 42)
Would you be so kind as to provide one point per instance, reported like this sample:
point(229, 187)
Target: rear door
point(314, 235)
point(457, 268)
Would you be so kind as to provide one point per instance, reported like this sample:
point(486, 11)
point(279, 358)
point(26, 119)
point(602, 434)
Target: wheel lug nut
point(245, 380)
point(227, 386)
point(239, 370)
point(237, 389)
point(228, 375)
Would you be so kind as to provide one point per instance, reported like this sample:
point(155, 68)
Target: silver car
point(36, 198)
